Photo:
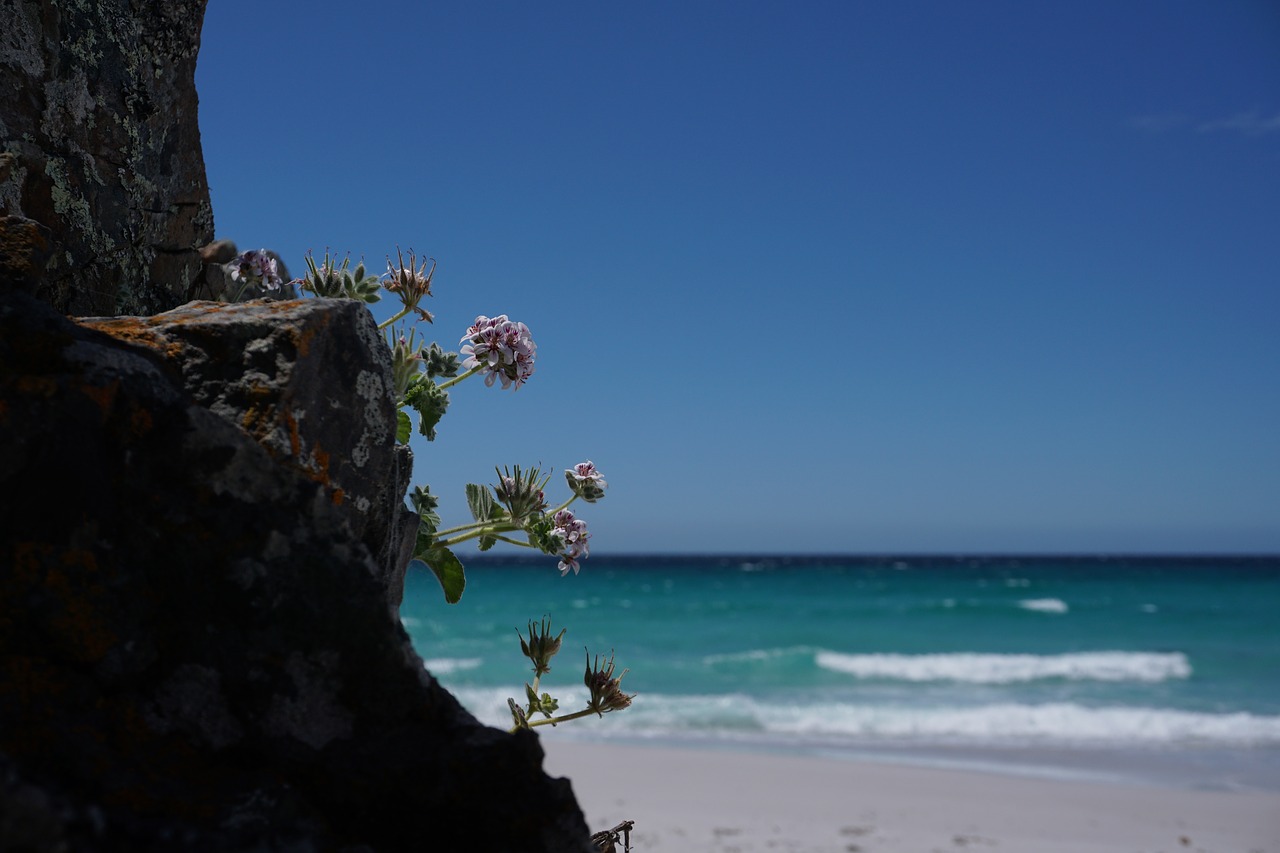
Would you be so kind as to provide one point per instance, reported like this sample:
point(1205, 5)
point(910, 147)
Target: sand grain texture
point(709, 800)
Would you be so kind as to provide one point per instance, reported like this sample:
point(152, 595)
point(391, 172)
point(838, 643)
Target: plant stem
point(399, 316)
point(495, 532)
point(449, 543)
point(586, 712)
point(564, 505)
point(461, 527)
point(455, 380)
point(551, 722)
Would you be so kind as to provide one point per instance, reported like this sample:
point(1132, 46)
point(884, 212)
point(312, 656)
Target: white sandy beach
point(713, 800)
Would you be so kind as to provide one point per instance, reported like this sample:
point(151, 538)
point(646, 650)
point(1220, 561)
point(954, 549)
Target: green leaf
point(448, 570)
point(424, 504)
point(480, 502)
point(404, 426)
point(483, 508)
point(440, 363)
point(429, 402)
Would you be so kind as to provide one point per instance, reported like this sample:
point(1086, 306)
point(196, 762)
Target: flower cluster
point(586, 482)
point(502, 347)
point(522, 493)
point(255, 267)
point(572, 534)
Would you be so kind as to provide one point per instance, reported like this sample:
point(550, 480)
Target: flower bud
point(606, 691)
point(411, 282)
point(541, 646)
point(521, 492)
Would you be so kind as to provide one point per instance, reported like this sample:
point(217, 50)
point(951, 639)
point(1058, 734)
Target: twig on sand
point(607, 840)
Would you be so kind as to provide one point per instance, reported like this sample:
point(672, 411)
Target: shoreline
point(693, 798)
point(1201, 767)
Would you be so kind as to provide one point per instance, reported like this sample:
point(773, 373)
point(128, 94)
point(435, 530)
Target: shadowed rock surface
point(202, 529)
point(310, 380)
point(100, 143)
point(196, 650)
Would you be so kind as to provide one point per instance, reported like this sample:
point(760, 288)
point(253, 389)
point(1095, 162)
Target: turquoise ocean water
point(1161, 668)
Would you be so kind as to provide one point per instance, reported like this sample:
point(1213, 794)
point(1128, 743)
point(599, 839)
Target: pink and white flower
point(585, 481)
point(256, 267)
point(504, 348)
point(572, 533)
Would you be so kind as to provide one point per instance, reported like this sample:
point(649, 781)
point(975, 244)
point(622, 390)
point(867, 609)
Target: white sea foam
point(1044, 605)
point(974, 668)
point(758, 655)
point(1019, 723)
point(1009, 724)
point(447, 666)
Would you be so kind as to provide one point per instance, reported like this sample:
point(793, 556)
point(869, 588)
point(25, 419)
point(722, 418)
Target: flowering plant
point(254, 268)
point(514, 509)
point(604, 691)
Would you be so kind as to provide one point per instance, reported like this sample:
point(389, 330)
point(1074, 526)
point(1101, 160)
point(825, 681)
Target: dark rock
point(219, 252)
point(202, 530)
point(310, 380)
point(196, 652)
point(25, 247)
point(101, 144)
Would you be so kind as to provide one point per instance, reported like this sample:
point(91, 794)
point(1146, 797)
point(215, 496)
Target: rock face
point(100, 143)
point(196, 649)
point(202, 528)
point(310, 381)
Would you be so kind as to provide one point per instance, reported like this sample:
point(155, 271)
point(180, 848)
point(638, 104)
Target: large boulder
point(202, 529)
point(310, 380)
point(100, 143)
point(196, 649)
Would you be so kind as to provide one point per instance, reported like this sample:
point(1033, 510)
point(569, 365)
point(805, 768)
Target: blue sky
point(808, 277)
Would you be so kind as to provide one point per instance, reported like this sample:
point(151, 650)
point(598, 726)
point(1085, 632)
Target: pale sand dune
point(708, 800)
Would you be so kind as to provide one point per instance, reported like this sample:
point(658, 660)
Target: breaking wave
point(1044, 605)
point(974, 668)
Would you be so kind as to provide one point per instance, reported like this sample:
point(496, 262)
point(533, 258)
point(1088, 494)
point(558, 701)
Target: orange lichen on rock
point(103, 395)
point(140, 422)
point(295, 440)
point(260, 418)
point(80, 625)
point(138, 331)
point(305, 337)
point(320, 460)
point(33, 678)
point(28, 561)
point(36, 386)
